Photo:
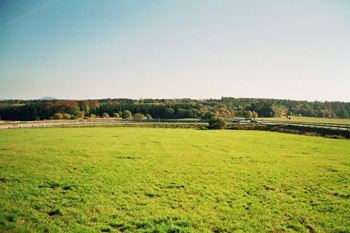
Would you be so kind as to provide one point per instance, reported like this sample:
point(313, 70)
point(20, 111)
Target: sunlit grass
point(171, 180)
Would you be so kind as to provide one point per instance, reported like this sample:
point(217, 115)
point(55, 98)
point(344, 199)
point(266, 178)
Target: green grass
point(172, 180)
point(307, 119)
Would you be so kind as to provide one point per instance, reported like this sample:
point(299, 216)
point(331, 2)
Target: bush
point(105, 115)
point(126, 114)
point(66, 116)
point(139, 116)
point(116, 115)
point(79, 114)
point(217, 123)
point(57, 116)
point(92, 116)
point(248, 115)
point(149, 117)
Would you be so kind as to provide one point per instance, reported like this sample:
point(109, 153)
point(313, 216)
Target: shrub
point(116, 115)
point(139, 116)
point(126, 114)
point(79, 114)
point(249, 115)
point(57, 116)
point(217, 123)
point(66, 116)
point(105, 115)
point(148, 116)
point(92, 116)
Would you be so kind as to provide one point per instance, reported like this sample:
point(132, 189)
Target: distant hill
point(48, 98)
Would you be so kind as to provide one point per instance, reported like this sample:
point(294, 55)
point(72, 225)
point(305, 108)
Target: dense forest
point(168, 108)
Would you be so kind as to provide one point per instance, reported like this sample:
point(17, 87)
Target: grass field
point(307, 119)
point(172, 180)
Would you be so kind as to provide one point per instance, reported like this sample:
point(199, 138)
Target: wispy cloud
point(29, 13)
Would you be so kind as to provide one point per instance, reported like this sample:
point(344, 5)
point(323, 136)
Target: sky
point(199, 49)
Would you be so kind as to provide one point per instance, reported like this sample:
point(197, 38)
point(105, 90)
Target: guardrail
point(31, 124)
point(41, 124)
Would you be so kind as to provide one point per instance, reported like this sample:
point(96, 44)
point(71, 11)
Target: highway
point(43, 124)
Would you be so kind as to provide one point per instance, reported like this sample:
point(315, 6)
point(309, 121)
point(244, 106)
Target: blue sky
point(86, 49)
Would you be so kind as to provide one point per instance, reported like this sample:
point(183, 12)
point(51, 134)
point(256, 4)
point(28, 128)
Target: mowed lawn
point(172, 180)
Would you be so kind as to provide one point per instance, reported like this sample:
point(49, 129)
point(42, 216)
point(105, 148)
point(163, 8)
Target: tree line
point(26, 110)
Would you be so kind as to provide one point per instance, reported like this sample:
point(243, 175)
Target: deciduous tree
point(208, 115)
point(126, 114)
point(169, 113)
point(217, 123)
point(79, 114)
point(254, 114)
point(248, 115)
point(342, 113)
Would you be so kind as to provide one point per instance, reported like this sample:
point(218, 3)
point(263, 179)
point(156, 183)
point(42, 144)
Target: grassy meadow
point(172, 180)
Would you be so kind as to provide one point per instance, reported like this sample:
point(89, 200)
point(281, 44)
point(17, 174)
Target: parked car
point(253, 121)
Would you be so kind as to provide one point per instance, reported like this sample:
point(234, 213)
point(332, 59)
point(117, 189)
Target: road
point(19, 125)
point(42, 124)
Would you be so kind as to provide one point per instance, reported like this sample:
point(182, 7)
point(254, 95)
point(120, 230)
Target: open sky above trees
point(77, 49)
